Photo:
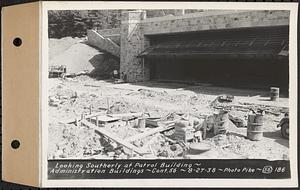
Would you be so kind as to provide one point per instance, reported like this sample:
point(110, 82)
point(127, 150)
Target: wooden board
point(126, 116)
point(114, 137)
point(149, 132)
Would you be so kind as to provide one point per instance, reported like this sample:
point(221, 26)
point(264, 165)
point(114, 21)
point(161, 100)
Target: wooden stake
point(107, 104)
point(81, 119)
point(90, 109)
point(97, 122)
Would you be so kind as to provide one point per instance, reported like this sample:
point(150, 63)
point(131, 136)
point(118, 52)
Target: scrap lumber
point(155, 122)
point(113, 137)
point(253, 108)
point(125, 116)
point(91, 85)
point(87, 116)
point(152, 121)
point(150, 132)
point(104, 119)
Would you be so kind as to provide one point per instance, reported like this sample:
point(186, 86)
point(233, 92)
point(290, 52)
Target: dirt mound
point(57, 46)
point(79, 57)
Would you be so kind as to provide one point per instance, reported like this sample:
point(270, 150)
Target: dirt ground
point(71, 97)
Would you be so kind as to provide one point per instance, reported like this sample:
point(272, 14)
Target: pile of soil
point(79, 57)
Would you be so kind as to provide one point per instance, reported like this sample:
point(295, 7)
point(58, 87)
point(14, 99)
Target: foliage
point(75, 23)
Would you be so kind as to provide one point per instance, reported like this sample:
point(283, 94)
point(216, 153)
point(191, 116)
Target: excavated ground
point(71, 97)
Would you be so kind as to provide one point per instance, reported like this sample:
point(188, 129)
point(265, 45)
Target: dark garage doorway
point(228, 72)
point(244, 57)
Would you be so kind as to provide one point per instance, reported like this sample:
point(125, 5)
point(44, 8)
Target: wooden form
point(150, 132)
point(102, 119)
point(127, 116)
point(90, 116)
point(113, 137)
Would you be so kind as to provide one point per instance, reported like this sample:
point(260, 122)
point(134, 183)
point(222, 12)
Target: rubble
point(238, 121)
point(104, 121)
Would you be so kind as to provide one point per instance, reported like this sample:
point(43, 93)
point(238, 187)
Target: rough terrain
point(69, 98)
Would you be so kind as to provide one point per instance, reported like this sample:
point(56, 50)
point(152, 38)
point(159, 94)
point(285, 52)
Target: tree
point(75, 23)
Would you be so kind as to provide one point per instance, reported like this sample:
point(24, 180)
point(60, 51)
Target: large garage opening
point(244, 57)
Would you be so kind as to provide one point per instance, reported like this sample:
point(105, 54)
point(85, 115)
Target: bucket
point(274, 93)
point(254, 127)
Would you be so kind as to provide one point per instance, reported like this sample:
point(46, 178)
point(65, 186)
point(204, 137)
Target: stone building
point(237, 47)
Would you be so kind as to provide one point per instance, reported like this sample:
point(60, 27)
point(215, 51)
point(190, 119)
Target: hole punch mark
point(17, 42)
point(15, 144)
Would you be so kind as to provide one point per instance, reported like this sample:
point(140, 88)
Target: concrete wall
point(103, 43)
point(135, 28)
point(110, 31)
point(113, 34)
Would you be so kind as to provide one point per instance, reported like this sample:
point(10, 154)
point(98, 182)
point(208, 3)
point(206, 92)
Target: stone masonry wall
point(135, 28)
point(132, 43)
point(223, 20)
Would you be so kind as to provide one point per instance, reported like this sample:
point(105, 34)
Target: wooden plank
point(152, 121)
point(105, 119)
point(149, 132)
point(127, 115)
point(87, 116)
point(114, 137)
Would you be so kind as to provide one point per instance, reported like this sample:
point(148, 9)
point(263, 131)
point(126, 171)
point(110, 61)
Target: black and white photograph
point(168, 84)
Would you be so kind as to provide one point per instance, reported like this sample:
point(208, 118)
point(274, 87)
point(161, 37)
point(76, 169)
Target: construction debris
point(239, 122)
point(106, 122)
point(225, 98)
point(149, 132)
point(113, 137)
point(57, 71)
point(183, 131)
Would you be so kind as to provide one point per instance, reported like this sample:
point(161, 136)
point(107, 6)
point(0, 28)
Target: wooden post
point(204, 129)
point(90, 108)
point(107, 104)
point(81, 119)
point(97, 122)
point(143, 69)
